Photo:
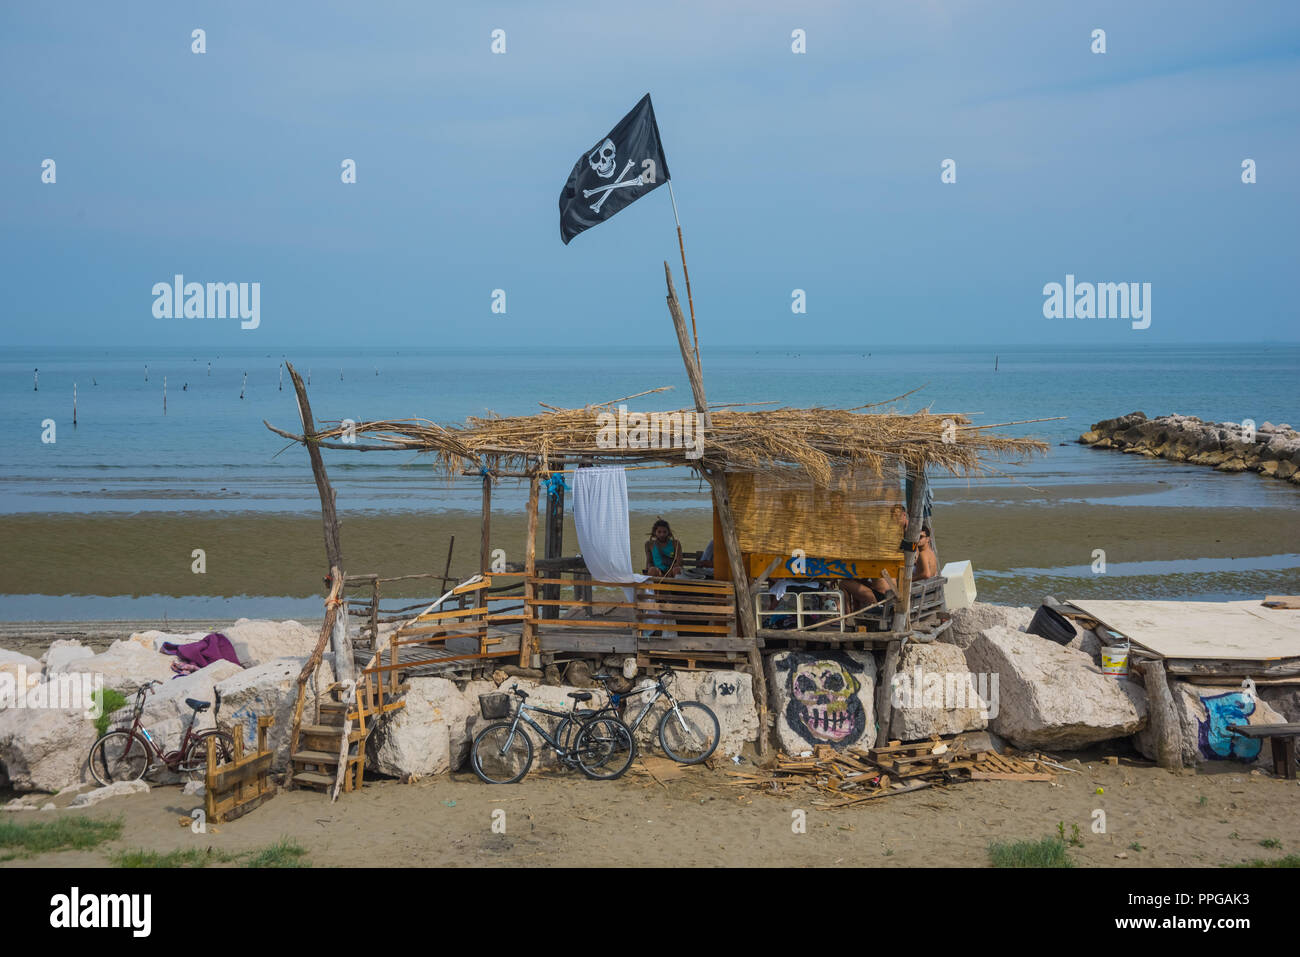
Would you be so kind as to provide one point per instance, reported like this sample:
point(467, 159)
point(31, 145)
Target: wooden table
point(1282, 736)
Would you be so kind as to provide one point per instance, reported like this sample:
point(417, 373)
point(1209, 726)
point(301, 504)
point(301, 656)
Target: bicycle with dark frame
point(603, 748)
point(688, 730)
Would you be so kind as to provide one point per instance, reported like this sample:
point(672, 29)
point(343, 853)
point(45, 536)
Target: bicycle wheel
point(567, 730)
point(494, 762)
point(604, 749)
point(195, 761)
point(693, 736)
point(119, 756)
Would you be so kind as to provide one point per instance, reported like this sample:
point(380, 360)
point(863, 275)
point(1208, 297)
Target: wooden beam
point(528, 638)
point(903, 609)
point(554, 538)
point(746, 617)
point(333, 548)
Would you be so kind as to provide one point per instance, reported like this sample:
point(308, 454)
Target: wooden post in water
point(164, 395)
point(528, 645)
point(746, 618)
point(74, 405)
point(36, 380)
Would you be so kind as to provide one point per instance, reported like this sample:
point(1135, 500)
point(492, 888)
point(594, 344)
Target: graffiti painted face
point(825, 702)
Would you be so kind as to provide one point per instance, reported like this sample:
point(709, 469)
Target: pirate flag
point(618, 170)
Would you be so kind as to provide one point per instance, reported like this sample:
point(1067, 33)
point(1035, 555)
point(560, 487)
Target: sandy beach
point(697, 818)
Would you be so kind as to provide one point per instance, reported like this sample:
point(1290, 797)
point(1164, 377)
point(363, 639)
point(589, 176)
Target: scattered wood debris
point(864, 774)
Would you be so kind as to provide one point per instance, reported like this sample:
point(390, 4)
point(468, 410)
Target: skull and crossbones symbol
point(824, 707)
point(602, 162)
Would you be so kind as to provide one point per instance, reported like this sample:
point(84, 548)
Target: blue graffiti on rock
point(1216, 742)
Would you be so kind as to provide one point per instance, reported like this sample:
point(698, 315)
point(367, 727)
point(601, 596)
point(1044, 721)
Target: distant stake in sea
point(74, 405)
point(242, 384)
point(164, 395)
point(281, 376)
point(36, 380)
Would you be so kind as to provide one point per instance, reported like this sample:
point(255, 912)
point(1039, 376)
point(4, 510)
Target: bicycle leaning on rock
point(129, 751)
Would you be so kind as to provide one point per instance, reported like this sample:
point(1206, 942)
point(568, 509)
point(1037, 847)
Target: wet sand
point(276, 554)
point(1206, 819)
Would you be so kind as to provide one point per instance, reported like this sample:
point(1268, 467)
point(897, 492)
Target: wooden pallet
point(232, 790)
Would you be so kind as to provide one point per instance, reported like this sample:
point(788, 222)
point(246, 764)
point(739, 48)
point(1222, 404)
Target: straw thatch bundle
point(811, 442)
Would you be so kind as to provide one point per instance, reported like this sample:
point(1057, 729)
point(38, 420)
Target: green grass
point(283, 853)
point(1270, 842)
point(20, 839)
point(1049, 852)
point(107, 701)
point(1291, 860)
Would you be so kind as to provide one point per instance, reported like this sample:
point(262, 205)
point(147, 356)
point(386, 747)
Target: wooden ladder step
point(313, 779)
point(316, 757)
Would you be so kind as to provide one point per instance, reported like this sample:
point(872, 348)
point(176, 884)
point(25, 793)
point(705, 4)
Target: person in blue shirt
point(663, 553)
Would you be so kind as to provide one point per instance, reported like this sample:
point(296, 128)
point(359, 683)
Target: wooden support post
point(902, 625)
point(446, 572)
point(746, 619)
point(333, 548)
point(884, 692)
point(484, 550)
point(374, 613)
point(1161, 714)
point(583, 593)
point(528, 644)
point(554, 542)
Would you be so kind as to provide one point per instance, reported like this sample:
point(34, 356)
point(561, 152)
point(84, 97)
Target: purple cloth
point(214, 647)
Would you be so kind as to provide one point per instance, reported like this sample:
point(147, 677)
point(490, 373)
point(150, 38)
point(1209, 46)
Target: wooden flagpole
point(685, 272)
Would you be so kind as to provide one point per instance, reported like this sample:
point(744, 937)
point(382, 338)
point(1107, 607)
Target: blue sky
point(818, 171)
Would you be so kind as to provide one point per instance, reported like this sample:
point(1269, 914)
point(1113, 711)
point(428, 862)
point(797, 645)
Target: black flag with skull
point(621, 168)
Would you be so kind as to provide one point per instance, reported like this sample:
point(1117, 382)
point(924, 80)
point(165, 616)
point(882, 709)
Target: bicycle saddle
point(199, 706)
point(580, 695)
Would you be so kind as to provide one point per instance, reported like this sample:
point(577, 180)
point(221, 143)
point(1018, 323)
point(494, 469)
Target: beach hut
point(811, 495)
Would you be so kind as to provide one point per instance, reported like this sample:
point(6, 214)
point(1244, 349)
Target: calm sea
point(210, 450)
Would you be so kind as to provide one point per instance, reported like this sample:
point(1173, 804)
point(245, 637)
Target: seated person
point(663, 553)
point(706, 556)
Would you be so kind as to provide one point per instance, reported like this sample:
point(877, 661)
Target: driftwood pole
point(330, 518)
point(903, 610)
point(1161, 714)
point(746, 618)
point(528, 645)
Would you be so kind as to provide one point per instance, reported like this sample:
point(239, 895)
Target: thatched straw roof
point(812, 441)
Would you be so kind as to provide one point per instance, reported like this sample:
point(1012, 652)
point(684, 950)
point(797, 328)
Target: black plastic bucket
point(1051, 624)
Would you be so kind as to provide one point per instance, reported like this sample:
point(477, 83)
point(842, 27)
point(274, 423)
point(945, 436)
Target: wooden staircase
point(329, 751)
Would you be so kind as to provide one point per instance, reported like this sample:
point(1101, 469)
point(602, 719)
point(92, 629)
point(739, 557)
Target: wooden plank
point(453, 613)
point(528, 638)
point(1265, 730)
point(977, 775)
point(229, 775)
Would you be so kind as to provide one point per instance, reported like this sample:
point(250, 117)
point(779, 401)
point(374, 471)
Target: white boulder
point(967, 623)
point(257, 641)
point(18, 674)
point(822, 697)
point(429, 735)
point(44, 748)
point(935, 692)
point(117, 789)
point(1050, 696)
point(125, 666)
point(63, 651)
